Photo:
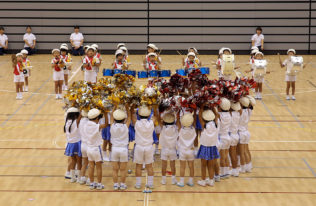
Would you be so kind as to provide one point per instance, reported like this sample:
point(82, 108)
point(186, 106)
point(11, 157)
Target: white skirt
point(18, 78)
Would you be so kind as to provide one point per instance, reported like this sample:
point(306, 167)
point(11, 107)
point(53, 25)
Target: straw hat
point(55, 50)
point(235, 106)
point(244, 101)
point(72, 109)
point(187, 120)
point(119, 114)
point(144, 111)
point(168, 118)
point(93, 113)
point(225, 104)
point(208, 115)
point(191, 54)
point(24, 51)
point(291, 50)
point(252, 100)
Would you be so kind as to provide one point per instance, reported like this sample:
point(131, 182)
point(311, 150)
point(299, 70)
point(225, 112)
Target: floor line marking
point(273, 117)
point(309, 167)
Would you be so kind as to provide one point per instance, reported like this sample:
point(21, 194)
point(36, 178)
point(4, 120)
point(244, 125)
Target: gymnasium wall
point(172, 25)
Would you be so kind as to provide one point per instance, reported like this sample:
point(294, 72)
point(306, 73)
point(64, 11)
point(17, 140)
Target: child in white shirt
point(29, 40)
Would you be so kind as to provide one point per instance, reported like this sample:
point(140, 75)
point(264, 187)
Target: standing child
point(29, 40)
point(92, 131)
point(125, 54)
point(84, 148)
point(168, 141)
point(90, 63)
point(97, 55)
point(219, 62)
point(58, 75)
point(186, 139)
point(151, 49)
point(191, 62)
point(67, 59)
point(26, 65)
point(18, 74)
point(208, 152)
point(119, 141)
point(73, 148)
point(119, 63)
point(196, 62)
point(225, 120)
point(233, 133)
point(244, 134)
point(144, 150)
point(290, 77)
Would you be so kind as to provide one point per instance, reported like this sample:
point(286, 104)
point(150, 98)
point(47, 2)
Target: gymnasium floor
point(32, 164)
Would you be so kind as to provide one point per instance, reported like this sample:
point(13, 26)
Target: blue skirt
point(131, 133)
point(208, 153)
point(73, 149)
point(198, 125)
point(106, 134)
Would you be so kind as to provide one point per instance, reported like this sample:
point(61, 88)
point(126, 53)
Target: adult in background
point(3, 41)
point(258, 39)
point(29, 40)
point(76, 40)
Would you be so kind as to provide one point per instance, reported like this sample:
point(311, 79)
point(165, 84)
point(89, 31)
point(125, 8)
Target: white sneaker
point(209, 182)
point(82, 180)
point(123, 186)
point(137, 186)
point(174, 181)
point(235, 172)
point(21, 96)
point(163, 181)
point(57, 96)
point(242, 169)
point(116, 186)
point(257, 96)
point(247, 168)
point(100, 186)
point(293, 98)
point(288, 98)
point(92, 186)
point(67, 175)
point(26, 89)
point(88, 182)
point(73, 180)
point(66, 88)
point(201, 183)
point(217, 178)
point(17, 96)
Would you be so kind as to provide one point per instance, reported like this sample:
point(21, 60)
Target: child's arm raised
point(200, 115)
point(280, 61)
point(129, 114)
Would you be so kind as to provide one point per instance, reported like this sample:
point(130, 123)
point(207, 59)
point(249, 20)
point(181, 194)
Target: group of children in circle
point(223, 133)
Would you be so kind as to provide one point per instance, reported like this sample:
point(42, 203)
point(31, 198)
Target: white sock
point(72, 174)
point(182, 180)
point(190, 180)
point(221, 171)
point(173, 177)
point(163, 178)
point(150, 180)
point(138, 180)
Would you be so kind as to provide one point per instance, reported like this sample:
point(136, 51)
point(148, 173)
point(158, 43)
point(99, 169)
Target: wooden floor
point(32, 142)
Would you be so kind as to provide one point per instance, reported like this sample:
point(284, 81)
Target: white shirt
point(168, 136)
point(257, 39)
point(235, 122)
point(76, 38)
point(3, 39)
point(83, 121)
point(73, 136)
point(288, 64)
point(119, 135)
point(92, 133)
point(29, 38)
point(209, 135)
point(186, 138)
point(244, 119)
point(144, 130)
point(225, 122)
